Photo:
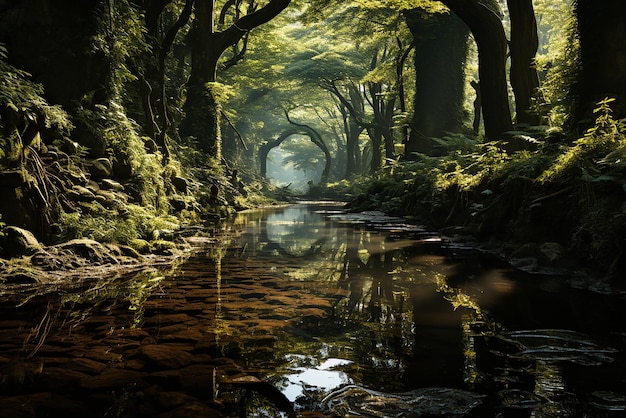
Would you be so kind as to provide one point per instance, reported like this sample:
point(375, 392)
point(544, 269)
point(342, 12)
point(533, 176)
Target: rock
point(85, 365)
point(552, 251)
point(77, 178)
point(166, 356)
point(109, 184)
point(19, 241)
point(111, 198)
point(88, 249)
point(199, 380)
point(92, 186)
point(74, 253)
point(54, 378)
point(111, 378)
point(101, 167)
point(83, 194)
point(51, 155)
point(169, 400)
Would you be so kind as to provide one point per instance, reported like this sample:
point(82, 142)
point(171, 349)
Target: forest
point(281, 208)
point(124, 122)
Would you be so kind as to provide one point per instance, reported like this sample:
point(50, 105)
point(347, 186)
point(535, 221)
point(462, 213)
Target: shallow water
point(307, 308)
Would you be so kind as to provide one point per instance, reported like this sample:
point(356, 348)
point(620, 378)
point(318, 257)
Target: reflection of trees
point(292, 232)
point(366, 274)
point(401, 318)
point(416, 327)
point(365, 271)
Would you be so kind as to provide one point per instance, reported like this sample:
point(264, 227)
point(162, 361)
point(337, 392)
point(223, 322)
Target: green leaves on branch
point(401, 5)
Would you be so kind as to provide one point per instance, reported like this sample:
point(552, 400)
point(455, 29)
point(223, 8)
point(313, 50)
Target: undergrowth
point(603, 145)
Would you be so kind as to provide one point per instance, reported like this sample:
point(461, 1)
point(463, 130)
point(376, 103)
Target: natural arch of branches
point(296, 130)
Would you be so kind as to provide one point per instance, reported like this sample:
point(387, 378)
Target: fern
point(607, 136)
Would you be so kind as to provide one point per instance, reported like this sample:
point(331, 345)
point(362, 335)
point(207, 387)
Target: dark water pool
point(308, 311)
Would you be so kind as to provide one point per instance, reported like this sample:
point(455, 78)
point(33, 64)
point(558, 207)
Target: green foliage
point(22, 104)
point(120, 38)
point(320, 9)
point(116, 225)
point(117, 137)
point(557, 57)
point(349, 188)
point(427, 184)
point(604, 142)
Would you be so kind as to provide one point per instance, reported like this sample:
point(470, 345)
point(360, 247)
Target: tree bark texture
point(602, 33)
point(491, 41)
point(523, 46)
point(207, 47)
point(440, 53)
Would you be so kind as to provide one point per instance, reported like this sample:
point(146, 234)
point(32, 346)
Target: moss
point(161, 246)
point(140, 245)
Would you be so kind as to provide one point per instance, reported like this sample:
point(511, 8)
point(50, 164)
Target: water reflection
point(404, 315)
point(307, 308)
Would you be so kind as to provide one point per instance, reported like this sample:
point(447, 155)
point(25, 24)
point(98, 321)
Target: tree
point(440, 56)
point(491, 41)
point(298, 129)
point(523, 45)
point(602, 69)
point(202, 111)
point(155, 75)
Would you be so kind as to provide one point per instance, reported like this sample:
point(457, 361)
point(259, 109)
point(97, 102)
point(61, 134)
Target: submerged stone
point(353, 399)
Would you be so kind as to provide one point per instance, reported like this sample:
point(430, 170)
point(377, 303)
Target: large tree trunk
point(377, 155)
point(440, 53)
point(353, 133)
point(602, 32)
point(201, 108)
point(202, 113)
point(523, 46)
point(492, 47)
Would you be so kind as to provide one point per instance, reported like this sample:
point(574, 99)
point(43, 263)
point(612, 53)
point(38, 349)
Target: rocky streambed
point(309, 311)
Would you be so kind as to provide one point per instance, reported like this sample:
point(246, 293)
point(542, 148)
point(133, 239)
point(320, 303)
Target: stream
point(306, 310)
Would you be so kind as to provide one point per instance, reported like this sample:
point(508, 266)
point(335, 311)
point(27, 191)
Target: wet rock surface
point(179, 352)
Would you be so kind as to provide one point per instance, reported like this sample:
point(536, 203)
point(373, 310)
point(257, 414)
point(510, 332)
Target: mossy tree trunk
point(202, 112)
point(153, 86)
point(440, 54)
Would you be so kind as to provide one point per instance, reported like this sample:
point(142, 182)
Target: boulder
point(19, 241)
point(101, 167)
point(109, 184)
point(83, 194)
